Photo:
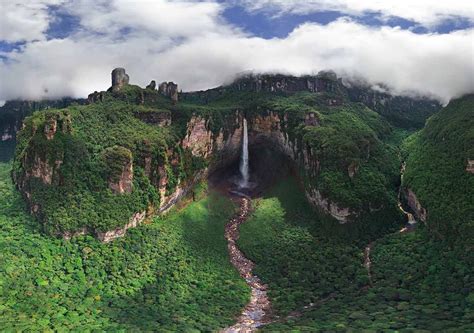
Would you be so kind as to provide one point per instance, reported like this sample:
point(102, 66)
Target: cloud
point(428, 13)
point(208, 51)
point(24, 21)
point(160, 17)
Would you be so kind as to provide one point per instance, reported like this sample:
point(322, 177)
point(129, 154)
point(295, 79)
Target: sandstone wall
point(271, 128)
point(415, 205)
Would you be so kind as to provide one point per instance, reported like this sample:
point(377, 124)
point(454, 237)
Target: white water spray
point(244, 158)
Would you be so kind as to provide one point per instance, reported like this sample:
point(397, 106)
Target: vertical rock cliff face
point(470, 166)
point(169, 89)
point(415, 205)
point(326, 81)
point(125, 180)
point(119, 79)
point(216, 149)
point(39, 164)
point(167, 148)
point(12, 115)
point(267, 128)
point(272, 129)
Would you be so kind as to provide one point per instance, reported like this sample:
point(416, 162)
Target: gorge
point(274, 203)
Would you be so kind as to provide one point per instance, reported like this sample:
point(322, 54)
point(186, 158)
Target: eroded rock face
point(202, 142)
point(339, 213)
point(270, 128)
point(326, 81)
point(169, 89)
point(110, 235)
point(125, 181)
point(198, 138)
point(152, 85)
point(50, 128)
point(43, 170)
point(67, 235)
point(352, 169)
point(155, 118)
point(119, 78)
point(415, 205)
point(470, 166)
point(311, 119)
point(96, 96)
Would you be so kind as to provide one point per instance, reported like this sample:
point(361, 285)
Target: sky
point(55, 48)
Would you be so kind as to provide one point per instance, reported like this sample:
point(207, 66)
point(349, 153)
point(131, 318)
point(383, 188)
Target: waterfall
point(244, 158)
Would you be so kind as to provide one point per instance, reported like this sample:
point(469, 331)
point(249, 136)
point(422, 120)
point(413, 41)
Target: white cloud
point(207, 52)
point(425, 12)
point(170, 18)
point(24, 20)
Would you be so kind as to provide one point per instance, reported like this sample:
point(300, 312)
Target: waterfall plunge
point(244, 158)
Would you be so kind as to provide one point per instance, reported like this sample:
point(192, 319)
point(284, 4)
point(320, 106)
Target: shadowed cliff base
point(267, 166)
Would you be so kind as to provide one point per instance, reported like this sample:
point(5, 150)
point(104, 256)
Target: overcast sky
point(54, 48)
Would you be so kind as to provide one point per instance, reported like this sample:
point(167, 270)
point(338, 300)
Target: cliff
point(132, 152)
point(400, 111)
point(12, 114)
point(439, 183)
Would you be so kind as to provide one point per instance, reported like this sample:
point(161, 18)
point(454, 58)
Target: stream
point(410, 226)
point(256, 312)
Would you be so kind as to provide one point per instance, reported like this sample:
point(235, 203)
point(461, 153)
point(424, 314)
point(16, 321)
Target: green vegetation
point(73, 169)
point(171, 275)
point(293, 256)
point(12, 114)
point(418, 283)
point(401, 112)
point(79, 194)
point(436, 171)
point(348, 135)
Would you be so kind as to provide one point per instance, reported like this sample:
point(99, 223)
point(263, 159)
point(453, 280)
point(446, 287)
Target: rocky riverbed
point(256, 312)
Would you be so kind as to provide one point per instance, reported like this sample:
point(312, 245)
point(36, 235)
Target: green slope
point(436, 170)
point(418, 283)
point(171, 275)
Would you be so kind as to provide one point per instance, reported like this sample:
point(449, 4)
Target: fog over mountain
point(52, 48)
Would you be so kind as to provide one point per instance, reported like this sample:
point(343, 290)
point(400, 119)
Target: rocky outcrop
point(159, 118)
point(271, 130)
point(415, 205)
point(169, 89)
point(96, 96)
point(324, 81)
point(110, 235)
point(50, 128)
point(43, 170)
point(311, 119)
point(152, 85)
point(199, 138)
point(124, 183)
point(182, 190)
point(470, 166)
point(55, 121)
point(67, 235)
point(119, 79)
point(352, 169)
point(222, 146)
point(339, 213)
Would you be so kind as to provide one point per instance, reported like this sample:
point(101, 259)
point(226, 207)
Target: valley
point(272, 204)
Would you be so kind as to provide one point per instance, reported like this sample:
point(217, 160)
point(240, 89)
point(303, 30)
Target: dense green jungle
point(119, 214)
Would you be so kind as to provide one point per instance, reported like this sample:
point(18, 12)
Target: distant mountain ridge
point(401, 111)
